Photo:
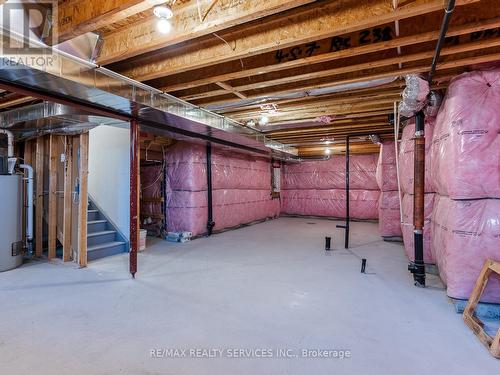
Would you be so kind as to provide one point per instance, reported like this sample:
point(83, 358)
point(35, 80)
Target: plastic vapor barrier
point(331, 203)
point(466, 142)
point(389, 222)
point(406, 155)
point(464, 234)
point(241, 189)
point(386, 174)
point(407, 227)
point(330, 174)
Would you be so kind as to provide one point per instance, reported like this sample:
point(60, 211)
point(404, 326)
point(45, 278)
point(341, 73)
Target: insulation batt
point(465, 233)
point(330, 174)
point(406, 155)
point(389, 222)
point(466, 143)
point(407, 227)
point(386, 174)
point(331, 202)
point(231, 207)
point(241, 189)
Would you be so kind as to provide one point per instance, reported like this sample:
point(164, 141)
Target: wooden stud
point(83, 199)
point(52, 213)
point(68, 198)
point(39, 196)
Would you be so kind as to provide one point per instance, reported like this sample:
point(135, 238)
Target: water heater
point(11, 236)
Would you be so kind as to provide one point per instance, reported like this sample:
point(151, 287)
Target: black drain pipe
point(210, 222)
point(442, 36)
point(418, 266)
point(347, 215)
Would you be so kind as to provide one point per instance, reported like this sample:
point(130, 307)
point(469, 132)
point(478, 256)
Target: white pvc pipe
point(396, 140)
point(10, 140)
point(29, 216)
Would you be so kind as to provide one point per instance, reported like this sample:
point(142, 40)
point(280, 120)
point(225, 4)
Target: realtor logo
point(24, 23)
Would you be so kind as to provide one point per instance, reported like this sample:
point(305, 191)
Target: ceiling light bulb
point(164, 26)
point(327, 142)
point(263, 120)
point(328, 151)
point(163, 11)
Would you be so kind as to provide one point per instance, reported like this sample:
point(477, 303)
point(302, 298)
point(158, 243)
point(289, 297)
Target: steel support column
point(210, 221)
point(134, 195)
point(347, 213)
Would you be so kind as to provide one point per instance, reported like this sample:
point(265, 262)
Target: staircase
point(103, 239)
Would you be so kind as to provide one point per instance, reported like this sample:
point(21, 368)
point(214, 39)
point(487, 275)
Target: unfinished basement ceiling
point(325, 69)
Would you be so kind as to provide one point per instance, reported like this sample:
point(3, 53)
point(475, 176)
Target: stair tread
point(104, 245)
point(96, 221)
point(100, 233)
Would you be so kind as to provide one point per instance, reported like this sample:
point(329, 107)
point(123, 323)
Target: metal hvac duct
point(66, 79)
point(51, 118)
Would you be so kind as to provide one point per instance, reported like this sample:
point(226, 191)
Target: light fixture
point(164, 13)
point(251, 123)
point(328, 142)
point(263, 120)
point(164, 26)
point(328, 151)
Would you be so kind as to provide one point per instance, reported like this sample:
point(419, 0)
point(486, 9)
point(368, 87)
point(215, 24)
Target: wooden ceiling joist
point(78, 17)
point(479, 45)
point(143, 37)
point(322, 21)
point(341, 54)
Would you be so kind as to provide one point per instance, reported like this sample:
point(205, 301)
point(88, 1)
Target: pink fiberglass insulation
point(386, 175)
point(389, 222)
point(406, 155)
point(241, 189)
point(466, 143)
point(331, 202)
point(186, 166)
point(330, 174)
point(465, 233)
point(407, 227)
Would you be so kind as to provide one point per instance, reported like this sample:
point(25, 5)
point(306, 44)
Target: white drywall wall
point(109, 173)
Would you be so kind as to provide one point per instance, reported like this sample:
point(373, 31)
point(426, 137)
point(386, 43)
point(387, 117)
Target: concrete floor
point(268, 286)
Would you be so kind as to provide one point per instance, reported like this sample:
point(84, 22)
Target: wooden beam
point(81, 16)
point(68, 198)
point(83, 199)
point(39, 196)
point(427, 55)
point(52, 213)
point(143, 37)
point(16, 102)
point(317, 23)
point(395, 86)
point(461, 62)
point(345, 98)
point(230, 89)
point(322, 106)
point(330, 56)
